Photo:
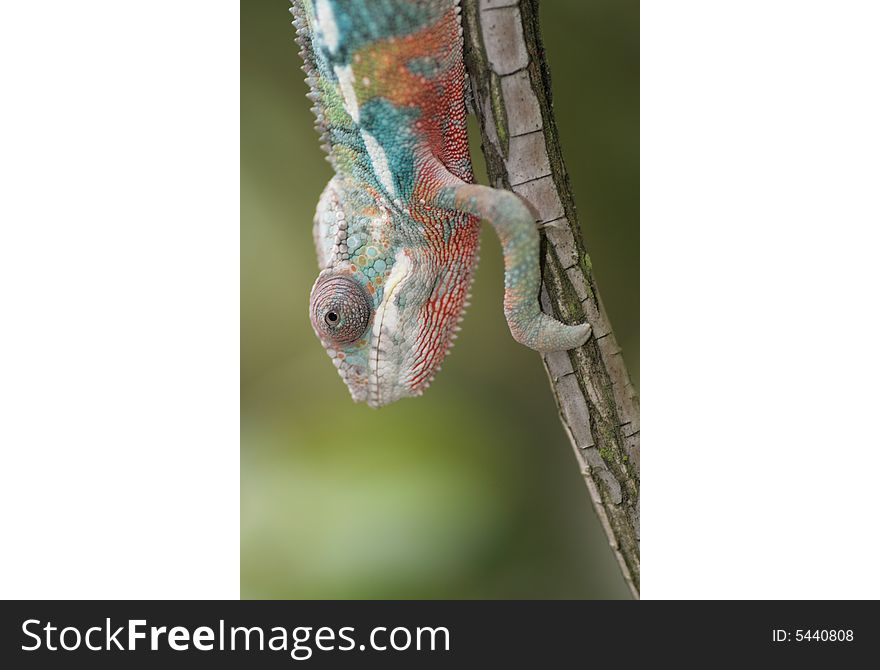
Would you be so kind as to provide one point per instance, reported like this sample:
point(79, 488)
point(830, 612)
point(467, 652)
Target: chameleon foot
point(514, 223)
point(545, 334)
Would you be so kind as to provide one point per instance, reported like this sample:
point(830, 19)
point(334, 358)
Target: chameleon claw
point(545, 334)
point(556, 223)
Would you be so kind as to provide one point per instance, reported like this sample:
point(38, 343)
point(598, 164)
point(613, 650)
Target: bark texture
point(598, 406)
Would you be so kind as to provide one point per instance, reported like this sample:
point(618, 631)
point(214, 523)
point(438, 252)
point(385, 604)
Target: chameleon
point(396, 229)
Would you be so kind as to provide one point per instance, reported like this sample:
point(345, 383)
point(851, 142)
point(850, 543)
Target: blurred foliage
point(470, 491)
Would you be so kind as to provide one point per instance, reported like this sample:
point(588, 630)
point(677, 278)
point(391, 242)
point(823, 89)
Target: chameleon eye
point(340, 309)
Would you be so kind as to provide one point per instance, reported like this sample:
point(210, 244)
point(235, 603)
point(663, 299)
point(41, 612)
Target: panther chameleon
point(397, 227)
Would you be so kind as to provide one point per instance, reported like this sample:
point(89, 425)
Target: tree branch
point(598, 406)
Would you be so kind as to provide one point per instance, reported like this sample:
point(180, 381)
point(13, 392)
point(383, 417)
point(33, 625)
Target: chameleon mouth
point(378, 356)
point(384, 365)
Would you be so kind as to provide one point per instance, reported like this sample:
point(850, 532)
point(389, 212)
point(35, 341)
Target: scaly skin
point(397, 227)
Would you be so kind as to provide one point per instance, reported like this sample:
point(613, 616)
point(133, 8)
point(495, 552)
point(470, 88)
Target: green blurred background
point(470, 491)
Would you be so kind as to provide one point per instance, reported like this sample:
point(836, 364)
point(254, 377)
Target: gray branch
point(598, 406)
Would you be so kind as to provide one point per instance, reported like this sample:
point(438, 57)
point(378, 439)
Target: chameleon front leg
point(518, 234)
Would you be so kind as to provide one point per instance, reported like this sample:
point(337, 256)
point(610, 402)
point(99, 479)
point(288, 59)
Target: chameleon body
point(397, 227)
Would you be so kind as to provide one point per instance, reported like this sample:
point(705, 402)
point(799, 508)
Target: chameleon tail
point(516, 229)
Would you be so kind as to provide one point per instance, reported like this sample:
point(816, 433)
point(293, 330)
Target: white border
point(760, 233)
point(119, 291)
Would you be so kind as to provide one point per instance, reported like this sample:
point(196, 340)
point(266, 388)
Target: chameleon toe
point(546, 334)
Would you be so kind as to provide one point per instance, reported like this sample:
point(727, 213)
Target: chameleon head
point(379, 341)
point(385, 308)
